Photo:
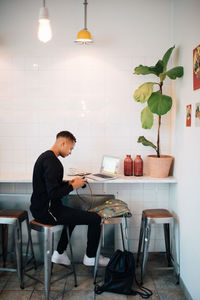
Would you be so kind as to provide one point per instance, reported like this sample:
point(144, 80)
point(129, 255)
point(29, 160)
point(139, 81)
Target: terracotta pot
point(159, 166)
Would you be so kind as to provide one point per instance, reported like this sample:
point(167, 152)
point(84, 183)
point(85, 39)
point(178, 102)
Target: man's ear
point(62, 143)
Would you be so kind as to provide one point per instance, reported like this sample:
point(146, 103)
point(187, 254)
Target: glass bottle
point(128, 165)
point(138, 166)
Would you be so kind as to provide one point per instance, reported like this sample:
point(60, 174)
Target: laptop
point(109, 169)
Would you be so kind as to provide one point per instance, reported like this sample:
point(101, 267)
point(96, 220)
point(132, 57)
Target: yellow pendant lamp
point(84, 36)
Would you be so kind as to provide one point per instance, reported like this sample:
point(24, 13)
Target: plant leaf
point(166, 57)
point(145, 142)
point(158, 69)
point(146, 118)
point(159, 104)
point(144, 70)
point(175, 72)
point(143, 93)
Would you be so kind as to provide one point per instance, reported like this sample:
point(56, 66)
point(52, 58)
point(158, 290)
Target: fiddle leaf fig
point(175, 72)
point(143, 93)
point(159, 104)
point(145, 142)
point(166, 57)
point(146, 118)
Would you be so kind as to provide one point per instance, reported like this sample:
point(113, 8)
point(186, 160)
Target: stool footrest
point(8, 269)
point(163, 268)
point(42, 282)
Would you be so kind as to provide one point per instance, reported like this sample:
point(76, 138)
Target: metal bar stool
point(15, 218)
point(122, 221)
point(49, 231)
point(149, 217)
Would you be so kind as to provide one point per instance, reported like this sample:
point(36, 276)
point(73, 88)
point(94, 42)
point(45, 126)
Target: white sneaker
point(89, 261)
point(62, 259)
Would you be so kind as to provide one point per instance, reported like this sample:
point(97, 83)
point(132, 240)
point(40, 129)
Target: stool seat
point(157, 213)
point(41, 224)
point(42, 227)
point(114, 220)
point(13, 213)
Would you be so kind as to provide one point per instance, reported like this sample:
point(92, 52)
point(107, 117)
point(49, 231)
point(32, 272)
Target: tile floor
point(161, 282)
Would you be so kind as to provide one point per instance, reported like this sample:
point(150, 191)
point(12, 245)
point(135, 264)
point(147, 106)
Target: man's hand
point(78, 182)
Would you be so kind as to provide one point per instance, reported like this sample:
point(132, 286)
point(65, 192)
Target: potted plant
point(156, 103)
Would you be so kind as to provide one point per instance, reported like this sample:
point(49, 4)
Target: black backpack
point(120, 274)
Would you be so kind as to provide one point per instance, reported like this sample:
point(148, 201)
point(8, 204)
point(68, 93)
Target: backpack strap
point(146, 293)
point(99, 289)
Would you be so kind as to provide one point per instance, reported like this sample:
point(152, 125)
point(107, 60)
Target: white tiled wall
point(96, 105)
point(45, 88)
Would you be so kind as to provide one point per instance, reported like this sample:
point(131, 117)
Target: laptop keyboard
point(102, 175)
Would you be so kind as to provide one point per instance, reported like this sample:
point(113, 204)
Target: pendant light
point(84, 36)
point(44, 28)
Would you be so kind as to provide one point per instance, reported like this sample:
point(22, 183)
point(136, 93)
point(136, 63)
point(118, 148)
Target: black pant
point(72, 217)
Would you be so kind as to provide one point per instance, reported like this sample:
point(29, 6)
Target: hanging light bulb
point(44, 28)
point(84, 36)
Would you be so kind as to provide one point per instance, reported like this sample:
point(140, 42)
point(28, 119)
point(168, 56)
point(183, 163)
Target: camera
point(84, 186)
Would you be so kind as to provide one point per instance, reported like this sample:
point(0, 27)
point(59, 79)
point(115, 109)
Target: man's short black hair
point(66, 134)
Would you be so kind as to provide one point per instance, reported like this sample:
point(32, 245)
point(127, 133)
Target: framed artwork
point(197, 114)
point(188, 115)
point(196, 68)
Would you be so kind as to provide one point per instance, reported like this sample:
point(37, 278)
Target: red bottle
point(138, 166)
point(128, 166)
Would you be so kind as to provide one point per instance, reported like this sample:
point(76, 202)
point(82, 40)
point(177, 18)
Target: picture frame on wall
point(196, 68)
point(197, 114)
point(188, 115)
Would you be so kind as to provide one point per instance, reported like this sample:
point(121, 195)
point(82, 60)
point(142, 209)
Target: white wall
point(45, 88)
point(187, 146)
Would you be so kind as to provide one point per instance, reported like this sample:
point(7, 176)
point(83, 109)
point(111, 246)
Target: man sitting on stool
point(46, 205)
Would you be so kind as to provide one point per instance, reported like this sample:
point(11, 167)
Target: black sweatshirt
point(48, 185)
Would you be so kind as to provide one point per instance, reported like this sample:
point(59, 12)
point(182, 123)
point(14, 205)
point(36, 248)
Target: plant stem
point(158, 138)
point(159, 123)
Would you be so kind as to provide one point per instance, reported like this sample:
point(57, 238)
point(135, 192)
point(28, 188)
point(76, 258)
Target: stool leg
point(146, 240)
point(18, 247)
point(72, 258)
point(173, 252)
point(167, 243)
point(122, 235)
point(4, 228)
point(140, 239)
point(52, 249)
point(47, 260)
point(125, 231)
point(30, 241)
point(97, 255)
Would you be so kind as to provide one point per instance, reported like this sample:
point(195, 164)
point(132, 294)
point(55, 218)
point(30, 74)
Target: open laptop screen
point(110, 165)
